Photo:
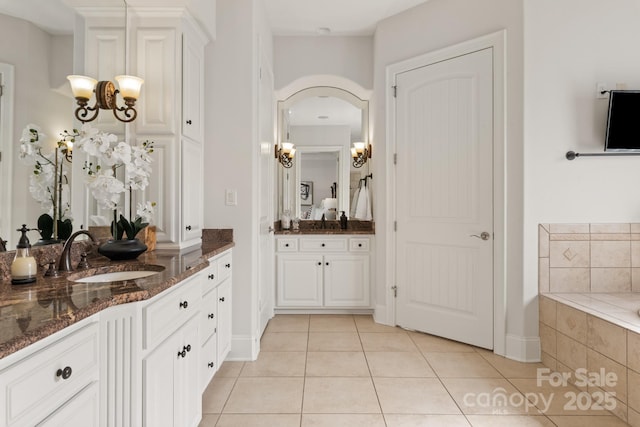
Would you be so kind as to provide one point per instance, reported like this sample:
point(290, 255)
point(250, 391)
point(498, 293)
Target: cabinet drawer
point(211, 277)
point(35, 387)
point(359, 244)
point(163, 316)
point(208, 361)
point(224, 266)
point(287, 245)
point(209, 314)
point(325, 245)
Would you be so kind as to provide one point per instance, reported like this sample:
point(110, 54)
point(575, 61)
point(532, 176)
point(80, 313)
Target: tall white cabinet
point(165, 47)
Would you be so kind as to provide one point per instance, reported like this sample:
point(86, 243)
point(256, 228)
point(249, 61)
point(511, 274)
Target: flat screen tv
point(623, 121)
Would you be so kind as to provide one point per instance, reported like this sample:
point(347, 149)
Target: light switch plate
point(231, 197)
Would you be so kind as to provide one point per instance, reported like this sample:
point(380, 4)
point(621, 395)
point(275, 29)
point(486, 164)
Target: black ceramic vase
point(117, 250)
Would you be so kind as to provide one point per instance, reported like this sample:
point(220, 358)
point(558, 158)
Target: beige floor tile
point(289, 323)
point(488, 396)
point(365, 323)
point(209, 420)
point(284, 341)
point(510, 368)
point(342, 420)
point(398, 364)
point(396, 420)
point(432, 344)
point(414, 396)
point(561, 400)
point(332, 323)
point(386, 341)
point(587, 421)
point(334, 341)
point(461, 365)
point(276, 364)
point(337, 364)
point(265, 396)
point(259, 420)
point(216, 394)
point(229, 369)
point(339, 396)
point(509, 421)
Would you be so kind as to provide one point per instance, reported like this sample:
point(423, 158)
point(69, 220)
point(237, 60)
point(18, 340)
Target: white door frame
point(496, 41)
point(6, 143)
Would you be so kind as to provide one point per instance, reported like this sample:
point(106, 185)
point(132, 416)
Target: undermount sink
point(116, 276)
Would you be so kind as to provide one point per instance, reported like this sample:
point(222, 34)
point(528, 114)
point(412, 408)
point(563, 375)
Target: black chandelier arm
point(359, 161)
point(286, 161)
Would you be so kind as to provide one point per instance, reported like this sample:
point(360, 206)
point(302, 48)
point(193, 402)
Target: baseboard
point(523, 349)
point(380, 315)
point(323, 311)
point(244, 348)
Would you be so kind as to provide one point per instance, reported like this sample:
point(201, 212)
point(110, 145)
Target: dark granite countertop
point(310, 227)
point(29, 313)
point(307, 232)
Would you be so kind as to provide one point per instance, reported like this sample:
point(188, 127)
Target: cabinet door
point(81, 411)
point(224, 320)
point(192, 95)
point(186, 394)
point(192, 190)
point(346, 280)
point(299, 280)
point(158, 384)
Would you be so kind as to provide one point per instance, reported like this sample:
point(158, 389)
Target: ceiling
point(287, 17)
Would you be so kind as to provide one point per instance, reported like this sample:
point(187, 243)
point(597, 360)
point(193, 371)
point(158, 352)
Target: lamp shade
point(287, 147)
point(359, 147)
point(129, 86)
point(82, 86)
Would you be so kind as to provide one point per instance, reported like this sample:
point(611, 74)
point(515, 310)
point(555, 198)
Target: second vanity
point(324, 270)
point(134, 352)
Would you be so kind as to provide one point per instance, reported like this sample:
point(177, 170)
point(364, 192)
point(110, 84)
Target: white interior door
point(266, 261)
point(444, 178)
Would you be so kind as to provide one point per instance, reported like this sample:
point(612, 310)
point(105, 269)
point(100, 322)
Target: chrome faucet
point(65, 258)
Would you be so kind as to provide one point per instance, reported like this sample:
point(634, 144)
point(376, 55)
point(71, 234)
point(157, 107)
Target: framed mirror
point(322, 122)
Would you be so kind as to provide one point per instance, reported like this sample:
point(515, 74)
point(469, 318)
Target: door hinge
point(395, 291)
point(395, 158)
point(395, 91)
point(1, 90)
point(395, 225)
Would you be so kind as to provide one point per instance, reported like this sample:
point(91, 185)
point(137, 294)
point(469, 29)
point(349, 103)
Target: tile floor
point(344, 370)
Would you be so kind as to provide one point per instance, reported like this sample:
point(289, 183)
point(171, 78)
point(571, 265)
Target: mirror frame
point(284, 200)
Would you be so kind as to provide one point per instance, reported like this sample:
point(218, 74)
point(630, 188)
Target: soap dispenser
point(24, 267)
point(343, 221)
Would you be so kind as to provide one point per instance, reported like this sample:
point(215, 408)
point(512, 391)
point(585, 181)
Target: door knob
point(484, 235)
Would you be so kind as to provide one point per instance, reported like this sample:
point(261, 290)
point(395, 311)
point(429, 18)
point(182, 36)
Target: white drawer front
point(287, 245)
point(209, 314)
point(163, 316)
point(224, 266)
point(211, 277)
point(208, 361)
point(35, 387)
point(359, 244)
point(326, 245)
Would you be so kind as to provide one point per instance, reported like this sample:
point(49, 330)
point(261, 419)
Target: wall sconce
point(83, 87)
point(361, 152)
point(285, 154)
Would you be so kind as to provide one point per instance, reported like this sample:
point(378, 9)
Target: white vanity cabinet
point(49, 383)
point(215, 337)
point(171, 394)
point(166, 49)
point(324, 271)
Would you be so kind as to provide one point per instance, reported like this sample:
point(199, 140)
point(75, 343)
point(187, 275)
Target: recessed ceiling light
point(323, 117)
point(323, 30)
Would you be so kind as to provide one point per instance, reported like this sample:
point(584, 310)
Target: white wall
point(569, 47)
point(349, 57)
point(32, 53)
point(231, 147)
point(429, 27)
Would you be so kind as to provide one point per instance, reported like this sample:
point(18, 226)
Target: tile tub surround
point(29, 313)
point(574, 336)
point(589, 258)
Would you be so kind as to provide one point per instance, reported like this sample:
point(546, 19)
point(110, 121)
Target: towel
point(363, 208)
point(354, 203)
